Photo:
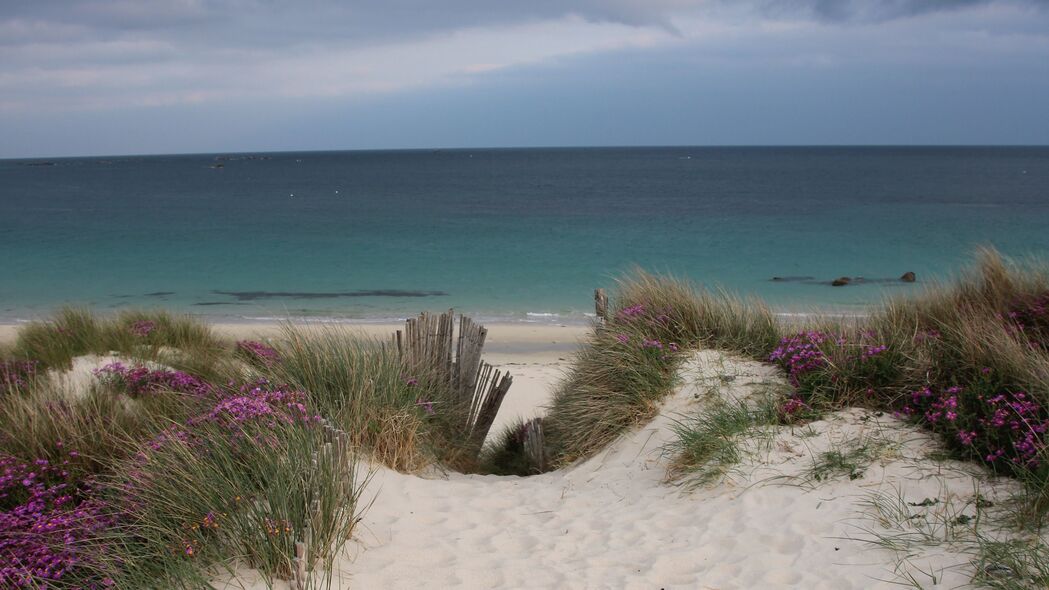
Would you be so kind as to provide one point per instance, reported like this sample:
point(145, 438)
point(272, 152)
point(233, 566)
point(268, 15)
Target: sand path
point(614, 522)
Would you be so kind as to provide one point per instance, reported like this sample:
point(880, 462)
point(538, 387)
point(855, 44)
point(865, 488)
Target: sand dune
point(614, 521)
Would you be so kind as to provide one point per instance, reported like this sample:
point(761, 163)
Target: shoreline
point(504, 339)
point(504, 331)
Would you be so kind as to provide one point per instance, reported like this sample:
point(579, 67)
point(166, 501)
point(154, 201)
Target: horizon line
point(535, 147)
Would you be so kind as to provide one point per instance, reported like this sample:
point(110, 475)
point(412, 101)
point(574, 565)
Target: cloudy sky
point(91, 77)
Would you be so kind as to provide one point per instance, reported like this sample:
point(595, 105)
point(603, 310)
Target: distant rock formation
point(790, 279)
point(840, 282)
point(908, 277)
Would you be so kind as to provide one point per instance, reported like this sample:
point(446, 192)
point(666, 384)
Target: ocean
point(503, 234)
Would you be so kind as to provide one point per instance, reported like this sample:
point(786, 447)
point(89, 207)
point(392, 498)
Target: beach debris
point(908, 277)
point(840, 282)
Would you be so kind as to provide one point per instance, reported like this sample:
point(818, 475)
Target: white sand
point(614, 522)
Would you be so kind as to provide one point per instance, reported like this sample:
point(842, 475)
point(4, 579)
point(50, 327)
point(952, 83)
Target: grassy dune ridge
point(968, 360)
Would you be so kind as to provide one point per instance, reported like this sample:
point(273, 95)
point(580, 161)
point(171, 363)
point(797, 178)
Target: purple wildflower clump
point(654, 348)
point(258, 404)
point(800, 354)
point(169, 435)
point(426, 406)
point(259, 352)
point(1007, 428)
point(46, 527)
point(140, 380)
point(143, 328)
point(927, 336)
point(870, 352)
point(1028, 319)
point(16, 375)
point(791, 409)
point(623, 338)
point(631, 313)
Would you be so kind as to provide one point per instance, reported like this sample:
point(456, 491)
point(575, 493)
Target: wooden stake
point(300, 565)
point(601, 304)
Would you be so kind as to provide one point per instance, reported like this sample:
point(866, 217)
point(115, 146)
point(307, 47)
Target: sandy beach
point(617, 521)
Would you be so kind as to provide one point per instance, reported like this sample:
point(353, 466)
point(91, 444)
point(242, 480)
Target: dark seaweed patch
point(256, 295)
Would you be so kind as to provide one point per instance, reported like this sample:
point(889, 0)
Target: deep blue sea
point(515, 234)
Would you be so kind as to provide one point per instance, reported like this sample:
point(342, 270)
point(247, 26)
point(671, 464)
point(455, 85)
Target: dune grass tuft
point(249, 497)
point(179, 341)
point(709, 444)
point(405, 417)
point(628, 363)
point(698, 316)
point(153, 477)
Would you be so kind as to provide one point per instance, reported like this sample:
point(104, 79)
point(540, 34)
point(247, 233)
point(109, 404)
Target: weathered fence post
point(430, 344)
point(601, 303)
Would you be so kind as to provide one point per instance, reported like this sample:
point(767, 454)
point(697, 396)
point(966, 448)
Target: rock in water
point(908, 277)
point(840, 281)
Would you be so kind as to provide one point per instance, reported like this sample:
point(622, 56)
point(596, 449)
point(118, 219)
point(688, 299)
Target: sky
point(107, 77)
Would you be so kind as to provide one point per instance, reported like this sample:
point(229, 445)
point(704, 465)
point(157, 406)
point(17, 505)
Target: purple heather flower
point(15, 375)
point(141, 380)
point(425, 405)
point(873, 351)
point(792, 406)
point(631, 312)
point(622, 338)
point(258, 351)
point(143, 328)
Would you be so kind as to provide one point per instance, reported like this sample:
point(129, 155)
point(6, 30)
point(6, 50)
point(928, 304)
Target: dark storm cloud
point(859, 10)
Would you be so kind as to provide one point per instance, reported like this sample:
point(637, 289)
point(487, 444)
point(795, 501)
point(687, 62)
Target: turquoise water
point(520, 234)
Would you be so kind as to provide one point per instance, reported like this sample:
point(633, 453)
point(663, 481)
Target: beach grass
point(48, 422)
point(157, 477)
point(145, 335)
point(709, 444)
point(627, 365)
point(404, 416)
point(248, 500)
point(616, 381)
